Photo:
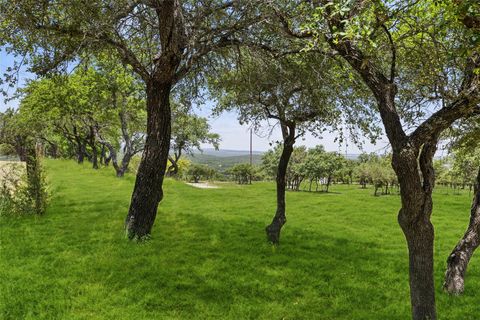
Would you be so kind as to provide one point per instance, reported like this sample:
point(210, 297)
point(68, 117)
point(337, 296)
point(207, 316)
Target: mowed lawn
point(342, 254)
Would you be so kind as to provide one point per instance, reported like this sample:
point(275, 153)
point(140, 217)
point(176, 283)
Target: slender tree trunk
point(94, 156)
point(124, 166)
point(54, 151)
point(21, 148)
point(273, 230)
point(173, 168)
point(93, 146)
point(103, 155)
point(148, 190)
point(80, 153)
point(112, 157)
point(34, 176)
point(414, 219)
point(458, 260)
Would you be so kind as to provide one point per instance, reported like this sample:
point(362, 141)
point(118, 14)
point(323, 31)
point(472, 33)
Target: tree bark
point(21, 148)
point(93, 146)
point(148, 190)
point(80, 153)
point(273, 230)
point(103, 155)
point(458, 260)
point(94, 156)
point(124, 166)
point(414, 219)
point(173, 168)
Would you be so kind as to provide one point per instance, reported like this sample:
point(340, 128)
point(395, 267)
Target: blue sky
point(234, 136)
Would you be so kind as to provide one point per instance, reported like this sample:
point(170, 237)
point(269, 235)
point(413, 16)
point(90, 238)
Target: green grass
point(342, 254)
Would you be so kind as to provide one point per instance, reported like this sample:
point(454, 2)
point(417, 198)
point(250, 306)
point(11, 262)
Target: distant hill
point(227, 153)
point(225, 159)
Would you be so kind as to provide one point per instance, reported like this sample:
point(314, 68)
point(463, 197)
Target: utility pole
point(251, 152)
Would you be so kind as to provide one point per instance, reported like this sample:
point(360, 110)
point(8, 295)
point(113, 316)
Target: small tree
point(292, 92)
point(198, 171)
point(189, 131)
point(243, 173)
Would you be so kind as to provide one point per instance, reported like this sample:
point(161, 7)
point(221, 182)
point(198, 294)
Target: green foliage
point(243, 173)
point(461, 167)
point(98, 101)
point(183, 167)
point(421, 46)
point(321, 166)
point(314, 165)
point(304, 89)
point(7, 149)
point(190, 131)
point(196, 172)
point(377, 171)
point(36, 186)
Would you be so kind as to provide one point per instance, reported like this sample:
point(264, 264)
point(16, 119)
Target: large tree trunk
point(414, 219)
point(420, 238)
point(273, 230)
point(458, 260)
point(148, 190)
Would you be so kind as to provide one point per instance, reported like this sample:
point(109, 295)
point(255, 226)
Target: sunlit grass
point(342, 254)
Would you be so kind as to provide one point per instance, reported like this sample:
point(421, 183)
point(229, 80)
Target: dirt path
point(203, 185)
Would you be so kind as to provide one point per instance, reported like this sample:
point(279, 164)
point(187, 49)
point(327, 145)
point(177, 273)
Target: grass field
point(342, 254)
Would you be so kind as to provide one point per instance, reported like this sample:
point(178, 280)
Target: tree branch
point(394, 53)
point(126, 54)
point(466, 104)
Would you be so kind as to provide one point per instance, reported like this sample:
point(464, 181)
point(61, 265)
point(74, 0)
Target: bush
point(22, 193)
point(199, 171)
point(7, 150)
point(183, 166)
point(243, 173)
point(36, 187)
point(11, 179)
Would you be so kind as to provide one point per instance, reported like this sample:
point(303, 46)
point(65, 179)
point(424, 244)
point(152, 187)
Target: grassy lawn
point(342, 254)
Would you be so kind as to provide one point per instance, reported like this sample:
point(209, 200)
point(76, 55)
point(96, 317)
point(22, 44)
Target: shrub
point(23, 191)
point(199, 171)
point(243, 173)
